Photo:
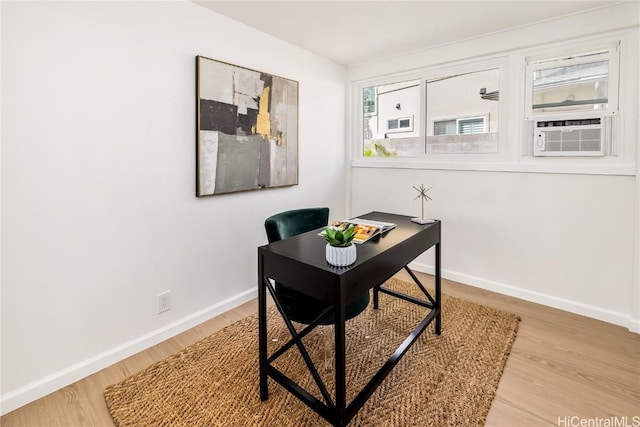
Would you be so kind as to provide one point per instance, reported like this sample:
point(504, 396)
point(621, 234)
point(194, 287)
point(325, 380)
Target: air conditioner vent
point(571, 137)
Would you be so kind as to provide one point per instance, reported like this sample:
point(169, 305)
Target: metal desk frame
point(300, 263)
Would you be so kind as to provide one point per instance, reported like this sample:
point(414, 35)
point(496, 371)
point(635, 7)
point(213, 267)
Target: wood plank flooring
point(563, 369)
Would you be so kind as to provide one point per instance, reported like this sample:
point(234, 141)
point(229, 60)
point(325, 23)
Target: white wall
point(99, 212)
point(562, 240)
point(565, 240)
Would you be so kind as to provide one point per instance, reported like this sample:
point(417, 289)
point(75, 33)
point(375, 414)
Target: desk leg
point(376, 293)
point(438, 292)
point(340, 361)
point(262, 330)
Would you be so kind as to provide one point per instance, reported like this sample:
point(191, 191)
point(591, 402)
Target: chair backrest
point(298, 306)
point(291, 223)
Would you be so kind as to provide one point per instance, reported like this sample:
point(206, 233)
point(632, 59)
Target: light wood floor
point(561, 366)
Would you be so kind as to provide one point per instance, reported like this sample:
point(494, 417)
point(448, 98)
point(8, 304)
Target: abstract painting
point(247, 125)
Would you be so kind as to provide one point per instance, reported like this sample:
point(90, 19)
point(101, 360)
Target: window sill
point(526, 166)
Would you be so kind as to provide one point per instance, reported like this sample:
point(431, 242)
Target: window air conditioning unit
point(576, 136)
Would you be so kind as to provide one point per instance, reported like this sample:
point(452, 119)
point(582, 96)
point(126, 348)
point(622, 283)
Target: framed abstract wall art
point(247, 129)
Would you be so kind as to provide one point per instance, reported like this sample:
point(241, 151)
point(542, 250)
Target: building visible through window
point(579, 82)
point(573, 87)
point(462, 113)
point(460, 126)
point(389, 128)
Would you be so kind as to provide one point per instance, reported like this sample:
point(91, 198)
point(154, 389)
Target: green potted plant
point(340, 251)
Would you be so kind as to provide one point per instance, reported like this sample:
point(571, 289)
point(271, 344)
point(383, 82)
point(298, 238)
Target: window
point(459, 126)
point(568, 106)
point(462, 113)
point(454, 113)
point(445, 127)
point(573, 86)
point(584, 81)
point(570, 101)
point(389, 128)
point(472, 125)
point(400, 125)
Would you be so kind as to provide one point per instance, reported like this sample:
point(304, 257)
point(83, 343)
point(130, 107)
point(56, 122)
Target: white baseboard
point(571, 306)
point(30, 392)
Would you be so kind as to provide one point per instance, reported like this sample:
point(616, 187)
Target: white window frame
point(499, 63)
point(515, 128)
point(358, 114)
point(400, 129)
point(567, 55)
point(609, 52)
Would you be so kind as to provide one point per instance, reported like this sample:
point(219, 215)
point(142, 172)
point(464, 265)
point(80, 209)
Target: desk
point(299, 262)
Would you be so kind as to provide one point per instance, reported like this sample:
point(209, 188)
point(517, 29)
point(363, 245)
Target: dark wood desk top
point(377, 260)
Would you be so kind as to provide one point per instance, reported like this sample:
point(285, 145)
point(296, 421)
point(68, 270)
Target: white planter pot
point(341, 256)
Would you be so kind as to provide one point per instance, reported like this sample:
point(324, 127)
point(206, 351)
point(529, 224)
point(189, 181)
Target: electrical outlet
point(164, 301)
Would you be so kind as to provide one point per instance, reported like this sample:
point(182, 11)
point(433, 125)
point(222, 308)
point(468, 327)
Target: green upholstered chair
point(298, 306)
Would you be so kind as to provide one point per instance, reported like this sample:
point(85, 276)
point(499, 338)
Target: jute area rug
point(446, 380)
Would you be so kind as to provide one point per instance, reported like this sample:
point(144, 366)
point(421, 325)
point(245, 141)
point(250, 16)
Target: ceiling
point(353, 32)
